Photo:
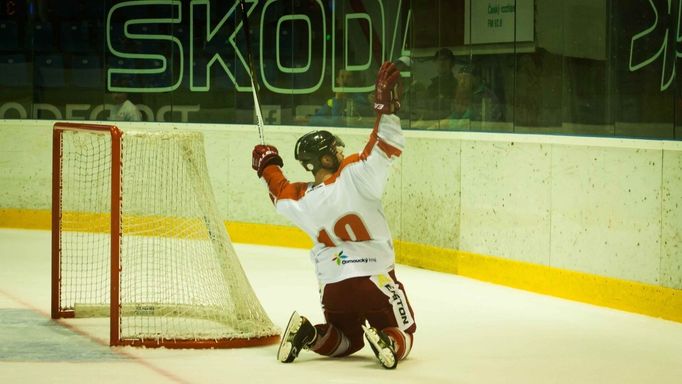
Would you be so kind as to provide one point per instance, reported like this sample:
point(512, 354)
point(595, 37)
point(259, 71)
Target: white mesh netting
point(180, 276)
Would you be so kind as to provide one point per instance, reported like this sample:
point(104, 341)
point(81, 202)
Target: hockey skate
point(299, 334)
point(382, 346)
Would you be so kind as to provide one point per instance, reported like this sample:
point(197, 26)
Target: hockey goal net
point(136, 237)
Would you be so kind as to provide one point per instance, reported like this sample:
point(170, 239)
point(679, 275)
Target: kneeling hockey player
point(353, 253)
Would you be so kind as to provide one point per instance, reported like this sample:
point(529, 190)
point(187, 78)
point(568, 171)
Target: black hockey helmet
point(313, 145)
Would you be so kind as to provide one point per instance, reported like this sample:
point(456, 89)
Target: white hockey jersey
point(344, 216)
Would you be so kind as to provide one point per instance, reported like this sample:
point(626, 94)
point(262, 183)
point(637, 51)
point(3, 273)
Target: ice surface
point(468, 332)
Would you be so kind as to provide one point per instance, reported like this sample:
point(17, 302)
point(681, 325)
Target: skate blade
point(383, 353)
point(285, 353)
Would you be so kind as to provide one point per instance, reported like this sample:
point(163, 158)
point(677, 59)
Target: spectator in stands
point(337, 110)
point(440, 91)
point(412, 89)
point(124, 109)
point(473, 99)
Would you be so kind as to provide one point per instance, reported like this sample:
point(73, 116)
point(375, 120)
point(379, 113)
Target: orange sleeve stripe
point(350, 159)
point(388, 149)
point(280, 188)
point(373, 138)
point(293, 191)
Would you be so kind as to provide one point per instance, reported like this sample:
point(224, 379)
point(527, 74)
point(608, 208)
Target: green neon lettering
point(310, 43)
point(295, 91)
point(170, 12)
point(346, 45)
point(403, 50)
point(210, 35)
point(368, 87)
point(112, 72)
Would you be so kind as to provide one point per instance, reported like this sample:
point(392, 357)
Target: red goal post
point(136, 237)
point(115, 134)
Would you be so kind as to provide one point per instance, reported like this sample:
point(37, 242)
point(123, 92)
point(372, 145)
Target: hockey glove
point(264, 155)
point(387, 89)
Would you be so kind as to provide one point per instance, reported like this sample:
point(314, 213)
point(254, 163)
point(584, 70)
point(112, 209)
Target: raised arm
point(267, 163)
point(386, 142)
point(387, 92)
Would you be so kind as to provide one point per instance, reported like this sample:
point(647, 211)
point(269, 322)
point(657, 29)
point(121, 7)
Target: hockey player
point(353, 253)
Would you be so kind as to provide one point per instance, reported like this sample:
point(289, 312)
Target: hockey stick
point(252, 72)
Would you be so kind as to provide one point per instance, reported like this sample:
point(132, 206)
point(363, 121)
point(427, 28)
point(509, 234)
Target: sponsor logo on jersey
point(341, 259)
